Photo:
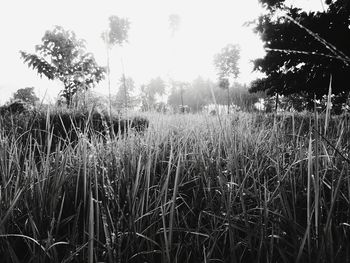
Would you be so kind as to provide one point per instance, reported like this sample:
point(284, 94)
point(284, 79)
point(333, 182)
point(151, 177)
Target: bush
point(15, 107)
point(139, 123)
point(66, 127)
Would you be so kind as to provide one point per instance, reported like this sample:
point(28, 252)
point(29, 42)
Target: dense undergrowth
point(190, 188)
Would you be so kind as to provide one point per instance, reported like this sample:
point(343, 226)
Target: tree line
point(307, 58)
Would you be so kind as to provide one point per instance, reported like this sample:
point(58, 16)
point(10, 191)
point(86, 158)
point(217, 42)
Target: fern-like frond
point(39, 64)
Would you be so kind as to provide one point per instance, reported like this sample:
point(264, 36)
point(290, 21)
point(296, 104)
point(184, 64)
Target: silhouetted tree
point(116, 34)
point(62, 56)
point(303, 50)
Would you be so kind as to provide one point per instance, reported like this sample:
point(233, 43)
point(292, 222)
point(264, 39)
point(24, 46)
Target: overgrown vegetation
point(83, 186)
point(191, 188)
point(53, 129)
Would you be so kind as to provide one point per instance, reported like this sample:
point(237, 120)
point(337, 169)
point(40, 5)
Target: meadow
point(245, 187)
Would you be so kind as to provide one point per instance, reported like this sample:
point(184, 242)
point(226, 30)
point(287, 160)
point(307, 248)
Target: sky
point(206, 26)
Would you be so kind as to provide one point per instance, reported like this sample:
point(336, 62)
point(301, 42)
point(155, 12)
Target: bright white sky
point(206, 27)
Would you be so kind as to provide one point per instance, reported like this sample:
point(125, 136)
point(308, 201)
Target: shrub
point(139, 123)
point(66, 127)
point(15, 107)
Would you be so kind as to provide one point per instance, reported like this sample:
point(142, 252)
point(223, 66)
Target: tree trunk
point(276, 105)
point(108, 76)
point(125, 92)
point(68, 94)
point(182, 100)
point(228, 100)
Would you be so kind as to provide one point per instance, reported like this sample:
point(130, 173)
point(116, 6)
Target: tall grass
point(191, 188)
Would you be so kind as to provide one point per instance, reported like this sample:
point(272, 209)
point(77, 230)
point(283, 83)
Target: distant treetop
point(117, 32)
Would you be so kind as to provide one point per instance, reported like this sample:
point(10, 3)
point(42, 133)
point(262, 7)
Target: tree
point(200, 93)
point(116, 34)
point(181, 87)
point(124, 99)
point(174, 23)
point(226, 63)
point(27, 95)
point(303, 50)
point(176, 96)
point(62, 56)
point(240, 98)
point(195, 95)
point(148, 92)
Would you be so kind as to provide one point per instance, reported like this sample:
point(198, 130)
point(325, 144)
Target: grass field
point(191, 188)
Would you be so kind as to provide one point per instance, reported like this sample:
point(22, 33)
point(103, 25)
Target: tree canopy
point(155, 87)
point(62, 56)
point(174, 23)
point(124, 98)
point(226, 62)
point(117, 34)
point(27, 95)
point(303, 49)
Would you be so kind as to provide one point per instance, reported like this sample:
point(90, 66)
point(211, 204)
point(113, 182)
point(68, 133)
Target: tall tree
point(116, 34)
point(200, 93)
point(124, 98)
point(177, 93)
point(62, 56)
point(174, 23)
point(149, 92)
point(226, 63)
point(27, 95)
point(303, 49)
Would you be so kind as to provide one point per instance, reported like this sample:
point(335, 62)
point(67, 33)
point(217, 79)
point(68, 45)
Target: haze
point(152, 51)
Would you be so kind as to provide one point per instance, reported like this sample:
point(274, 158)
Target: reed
point(190, 188)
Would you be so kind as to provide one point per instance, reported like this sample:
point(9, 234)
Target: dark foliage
point(304, 50)
point(15, 107)
point(66, 128)
point(226, 221)
point(301, 124)
point(26, 94)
